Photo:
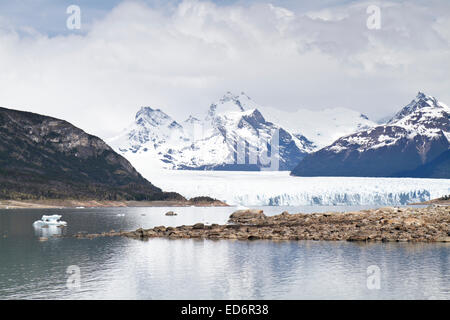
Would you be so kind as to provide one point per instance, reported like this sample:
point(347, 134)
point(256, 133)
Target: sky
point(180, 56)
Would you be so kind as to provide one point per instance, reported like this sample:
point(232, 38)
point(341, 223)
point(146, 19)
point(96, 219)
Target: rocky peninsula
point(428, 224)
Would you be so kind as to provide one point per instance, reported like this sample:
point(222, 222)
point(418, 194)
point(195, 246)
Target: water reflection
point(48, 231)
point(120, 268)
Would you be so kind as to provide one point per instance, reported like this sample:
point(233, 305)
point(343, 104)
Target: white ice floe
point(53, 220)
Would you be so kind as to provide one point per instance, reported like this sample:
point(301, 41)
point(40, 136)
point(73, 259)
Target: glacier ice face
point(281, 189)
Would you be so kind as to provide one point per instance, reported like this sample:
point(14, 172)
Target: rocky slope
point(232, 135)
point(47, 158)
point(436, 168)
point(414, 143)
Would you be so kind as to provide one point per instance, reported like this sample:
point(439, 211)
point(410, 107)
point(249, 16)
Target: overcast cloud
point(181, 56)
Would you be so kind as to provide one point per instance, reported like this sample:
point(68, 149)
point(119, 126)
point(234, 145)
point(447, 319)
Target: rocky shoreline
point(430, 224)
point(441, 202)
point(59, 204)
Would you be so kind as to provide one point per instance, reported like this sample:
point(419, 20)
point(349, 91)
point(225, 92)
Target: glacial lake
point(121, 268)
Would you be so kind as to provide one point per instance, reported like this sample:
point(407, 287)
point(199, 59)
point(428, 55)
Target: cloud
point(182, 57)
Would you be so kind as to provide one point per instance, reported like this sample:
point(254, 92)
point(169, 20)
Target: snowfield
point(322, 127)
point(278, 188)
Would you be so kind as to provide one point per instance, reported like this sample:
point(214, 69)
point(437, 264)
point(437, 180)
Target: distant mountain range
point(47, 158)
point(233, 134)
point(414, 143)
point(43, 157)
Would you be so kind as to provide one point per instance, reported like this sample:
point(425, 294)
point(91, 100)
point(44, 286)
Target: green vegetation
point(196, 200)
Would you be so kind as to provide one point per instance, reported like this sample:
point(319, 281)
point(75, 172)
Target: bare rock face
point(248, 216)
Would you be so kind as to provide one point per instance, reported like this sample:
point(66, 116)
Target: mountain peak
point(421, 101)
point(145, 111)
point(231, 102)
point(214, 141)
point(407, 145)
point(191, 119)
point(420, 95)
point(154, 117)
point(252, 117)
point(425, 98)
point(230, 96)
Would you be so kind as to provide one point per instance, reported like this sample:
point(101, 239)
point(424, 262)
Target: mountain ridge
point(233, 134)
point(43, 157)
point(416, 135)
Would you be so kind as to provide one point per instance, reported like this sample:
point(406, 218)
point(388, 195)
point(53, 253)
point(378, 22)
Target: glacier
point(278, 188)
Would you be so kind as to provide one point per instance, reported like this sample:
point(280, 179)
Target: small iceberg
point(53, 220)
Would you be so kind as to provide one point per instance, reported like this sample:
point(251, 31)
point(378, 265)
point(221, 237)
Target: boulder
point(248, 216)
point(159, 229)
point(170, 213)
point(198, 226)
point(140, 233)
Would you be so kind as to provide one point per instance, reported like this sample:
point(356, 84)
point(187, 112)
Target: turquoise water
point(120, 268)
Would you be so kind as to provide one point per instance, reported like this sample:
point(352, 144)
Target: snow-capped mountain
point(322, 127)
point(232, 135)
point(418, 134)
point(148, 140)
